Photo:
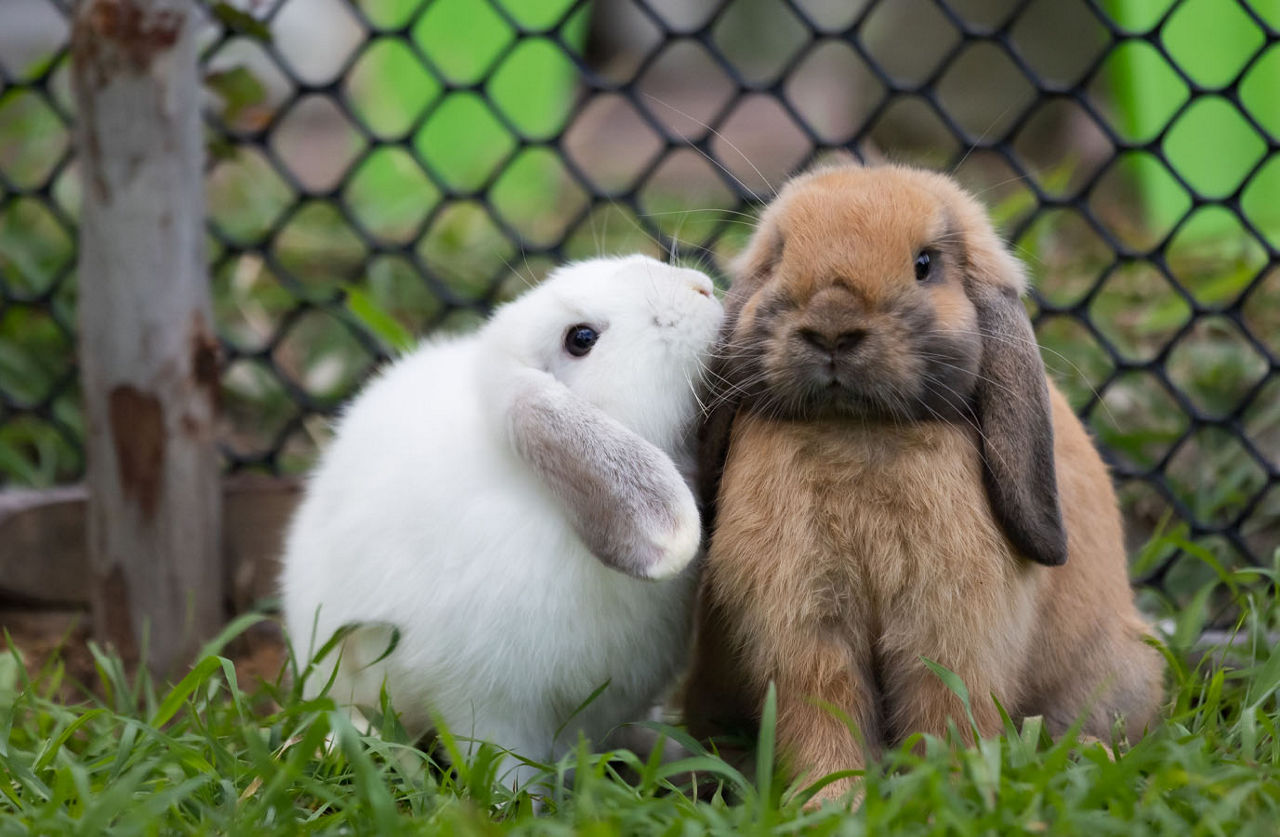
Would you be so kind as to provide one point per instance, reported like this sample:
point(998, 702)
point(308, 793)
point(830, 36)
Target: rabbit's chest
point(844, 522)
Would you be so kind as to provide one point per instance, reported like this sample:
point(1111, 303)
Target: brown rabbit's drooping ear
point(1017, 430)
point(713, 439)
point(725, 392)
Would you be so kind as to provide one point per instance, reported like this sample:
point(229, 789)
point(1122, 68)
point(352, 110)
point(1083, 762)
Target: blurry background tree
point(148, 354)
point(385, 168)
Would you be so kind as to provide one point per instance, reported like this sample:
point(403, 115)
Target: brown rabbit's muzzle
point(842, 354)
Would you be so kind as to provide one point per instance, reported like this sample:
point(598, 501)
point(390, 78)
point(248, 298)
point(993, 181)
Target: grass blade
point(179, 693)
point(765, 746)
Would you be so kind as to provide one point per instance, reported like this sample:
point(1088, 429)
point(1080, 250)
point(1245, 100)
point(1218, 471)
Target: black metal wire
point(594, 84)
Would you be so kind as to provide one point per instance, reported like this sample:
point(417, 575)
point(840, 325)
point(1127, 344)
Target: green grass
point(215, 755)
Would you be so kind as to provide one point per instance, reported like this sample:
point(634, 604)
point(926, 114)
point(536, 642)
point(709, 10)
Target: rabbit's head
point(627, 335)
point(595, 375)
point(884, 294)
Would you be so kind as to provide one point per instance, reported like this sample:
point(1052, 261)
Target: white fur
point(420, 515)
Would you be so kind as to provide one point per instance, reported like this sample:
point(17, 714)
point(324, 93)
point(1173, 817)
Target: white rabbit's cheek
point(642, 385)
point(690, 338)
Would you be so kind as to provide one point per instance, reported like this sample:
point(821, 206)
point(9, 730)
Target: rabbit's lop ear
point(722, 399)
point(623, 495)
point(1013, 411)
point(724, 385)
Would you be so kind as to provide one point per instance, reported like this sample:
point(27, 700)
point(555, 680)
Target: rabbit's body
point(428, 584)
point(868, 593)
point(425, 516)
point(892, 479)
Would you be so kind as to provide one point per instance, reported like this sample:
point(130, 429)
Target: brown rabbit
point(890, 477)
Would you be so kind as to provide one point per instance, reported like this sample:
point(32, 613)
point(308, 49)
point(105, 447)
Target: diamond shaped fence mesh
point(385, 167)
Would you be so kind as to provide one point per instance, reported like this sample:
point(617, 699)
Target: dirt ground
point(45, 637)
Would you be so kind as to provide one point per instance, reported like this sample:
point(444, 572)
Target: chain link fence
point(380, 168)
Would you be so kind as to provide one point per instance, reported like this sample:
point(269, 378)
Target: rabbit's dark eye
point(924, 263)
point(579, 339)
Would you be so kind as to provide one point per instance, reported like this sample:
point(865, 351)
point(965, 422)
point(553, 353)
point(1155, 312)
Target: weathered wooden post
point(149, 359)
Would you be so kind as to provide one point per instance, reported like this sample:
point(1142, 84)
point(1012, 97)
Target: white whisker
point(727, 141)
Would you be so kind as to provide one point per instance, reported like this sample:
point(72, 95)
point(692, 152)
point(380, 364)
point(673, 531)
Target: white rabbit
point(515, 504)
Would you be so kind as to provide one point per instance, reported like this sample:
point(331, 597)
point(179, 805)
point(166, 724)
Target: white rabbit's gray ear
point(1013, 410)
point(623, 495)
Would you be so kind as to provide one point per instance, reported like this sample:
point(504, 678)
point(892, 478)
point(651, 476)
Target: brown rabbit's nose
point(845, 341)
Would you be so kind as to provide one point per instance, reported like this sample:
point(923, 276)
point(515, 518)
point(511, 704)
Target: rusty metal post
point(149, 359)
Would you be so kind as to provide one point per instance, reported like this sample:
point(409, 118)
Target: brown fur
point(871, 508)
